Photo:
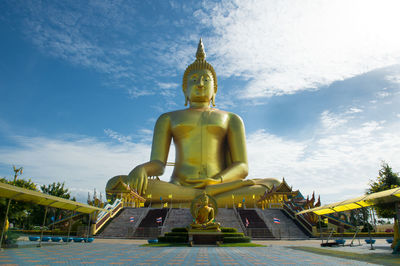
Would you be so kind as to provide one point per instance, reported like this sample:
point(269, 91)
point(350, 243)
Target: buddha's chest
point(197, 124)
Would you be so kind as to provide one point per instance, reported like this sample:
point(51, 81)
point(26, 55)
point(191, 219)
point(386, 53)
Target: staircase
point(287, 229)
point(121, 226)
point(148, 226)
point(227, 218)
point(180, 217)
point(256, 227)
point(145, 224)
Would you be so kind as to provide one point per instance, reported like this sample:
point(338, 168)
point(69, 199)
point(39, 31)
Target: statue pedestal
point(204, 237)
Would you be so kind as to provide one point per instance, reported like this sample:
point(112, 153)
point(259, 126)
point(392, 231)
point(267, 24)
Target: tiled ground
point(133, 254)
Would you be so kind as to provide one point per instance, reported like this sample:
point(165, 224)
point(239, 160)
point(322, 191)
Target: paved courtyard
point(122, 252)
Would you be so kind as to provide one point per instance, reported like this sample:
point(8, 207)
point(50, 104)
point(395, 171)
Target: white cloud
point(115, 135)
point(395, 79)
point(134, 92)
point(112, 38)
point(170, 85)
point(338, 165)
point(282, 47)
point(167, 89)
point(277, 47)
point(144, 135)
point(354, 110)
point(83, 163)
point(383, 94)
point(330, 121)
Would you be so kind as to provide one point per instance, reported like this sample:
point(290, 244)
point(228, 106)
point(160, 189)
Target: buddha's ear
point(213, 100)
point(186, 97)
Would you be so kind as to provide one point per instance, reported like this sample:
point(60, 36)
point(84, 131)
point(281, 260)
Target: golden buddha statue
point(210, 149)
point(204, 216)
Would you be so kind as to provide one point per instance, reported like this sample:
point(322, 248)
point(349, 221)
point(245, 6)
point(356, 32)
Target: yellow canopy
point(23, 194)
point(386, 196)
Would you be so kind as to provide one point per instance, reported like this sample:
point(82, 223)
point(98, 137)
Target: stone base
point(205, 237)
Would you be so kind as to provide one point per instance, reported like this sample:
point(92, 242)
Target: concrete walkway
point(129, 252)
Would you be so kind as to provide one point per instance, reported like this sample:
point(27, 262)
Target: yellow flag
point(254, 196)
point(141, 204)
point(233, 196)
point(149, 196)
point(239, 205)
point(166, 204)
point(170, 196)
point(326, 220)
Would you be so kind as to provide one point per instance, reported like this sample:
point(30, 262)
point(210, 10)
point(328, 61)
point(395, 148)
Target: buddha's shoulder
point(231, 116)
point(183, 112)
point(172, 114)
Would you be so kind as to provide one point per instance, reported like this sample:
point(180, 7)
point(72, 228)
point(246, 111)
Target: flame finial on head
point(200, 54)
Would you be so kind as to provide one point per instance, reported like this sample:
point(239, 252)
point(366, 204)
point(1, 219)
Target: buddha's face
point(204, 201)
point(200, 86)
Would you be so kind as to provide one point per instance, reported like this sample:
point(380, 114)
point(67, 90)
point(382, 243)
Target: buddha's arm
point(211, 216)
point(237, 146)
point(159, 154)
point(161, 143)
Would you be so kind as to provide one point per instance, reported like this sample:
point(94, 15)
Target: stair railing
point(165, 221)
point(145, 212)
point(105, 218)
point(305, 224)
point(240, 221)
point(271, 226)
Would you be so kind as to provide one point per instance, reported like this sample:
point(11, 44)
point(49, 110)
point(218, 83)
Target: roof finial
point(200, 54)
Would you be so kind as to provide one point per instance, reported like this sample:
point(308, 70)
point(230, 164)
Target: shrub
point(176, 239)
point(183, 234)
point(237, 239)
point(179, 229)
point(162, 239)
point(233, 235)
point(228, 230)
point(11, 237)
point(172, 239)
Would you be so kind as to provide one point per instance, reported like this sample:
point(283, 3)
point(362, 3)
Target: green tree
point(386, 179)
point(19, 211)
point(55, 189)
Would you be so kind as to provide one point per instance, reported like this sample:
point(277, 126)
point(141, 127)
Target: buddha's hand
point(137, 179)
point(202, 183)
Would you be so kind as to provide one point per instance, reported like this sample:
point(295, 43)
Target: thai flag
point(159, 220)
point(277, 221)
point(131, 219)
point(247, 222)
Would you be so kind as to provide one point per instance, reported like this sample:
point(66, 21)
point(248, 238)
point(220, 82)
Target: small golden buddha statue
point(204, 216)
point(210, 149)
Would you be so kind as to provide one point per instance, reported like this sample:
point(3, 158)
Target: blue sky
point(317, 84)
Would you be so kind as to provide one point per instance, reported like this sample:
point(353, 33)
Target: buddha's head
point(204, 199)
point(199, 80)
